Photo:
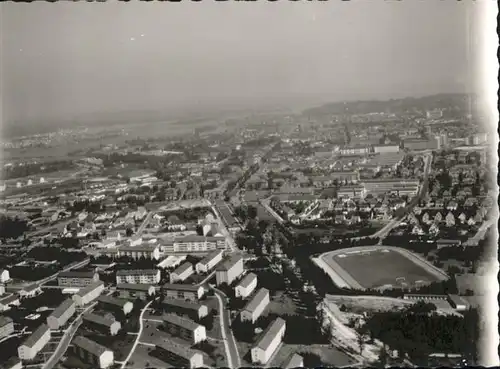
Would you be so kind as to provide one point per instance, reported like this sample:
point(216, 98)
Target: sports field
point(380, 267)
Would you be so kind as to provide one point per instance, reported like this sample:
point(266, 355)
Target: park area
point(380, 267)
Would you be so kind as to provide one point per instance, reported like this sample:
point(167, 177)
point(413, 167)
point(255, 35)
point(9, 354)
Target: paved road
point(222, 227)
point(66, 339)
point(232, 354)
point(142, 227)
point(136, 342)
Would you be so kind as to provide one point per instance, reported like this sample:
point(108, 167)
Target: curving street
point(232, 354)
point(136, 342)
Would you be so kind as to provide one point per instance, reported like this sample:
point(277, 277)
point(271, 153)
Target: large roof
point(89, 346)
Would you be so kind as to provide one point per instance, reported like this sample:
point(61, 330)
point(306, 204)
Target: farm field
point(381, 267)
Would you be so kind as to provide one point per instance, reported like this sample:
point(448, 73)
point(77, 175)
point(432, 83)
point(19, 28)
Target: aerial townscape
point(246, 185)
point(277, 240)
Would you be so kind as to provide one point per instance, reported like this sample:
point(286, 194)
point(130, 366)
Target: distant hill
point(393, 105)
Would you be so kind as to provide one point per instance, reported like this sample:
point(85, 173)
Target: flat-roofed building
point(256, 306)
point(6, 326)
point(183, 291)
point(135, 291)
point(92, 352)
point(191, 309)
point(294, 361)
point(195, 243)
point(77, 279)
point(209, 261)
point(269, 342)
point(182, 272)
point(114, 304)
point(229, 270)
point(147, 251)
point(383, 186)
point(88, 294)
point(34, 343)
point(179, 355)
point(246, 286)
point(61, 314)
point(351, 192)
point(184, 328)
point(383, 148)
point(102, 324)
point(138, 276)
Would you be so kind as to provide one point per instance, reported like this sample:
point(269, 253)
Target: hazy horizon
point(66, 61)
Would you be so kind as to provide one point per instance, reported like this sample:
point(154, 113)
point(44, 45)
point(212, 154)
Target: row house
point(230, 269)
point(184, 328)
point(77, 279)
point(92, 352)
point(34, 343)
point(135, 291)
point(183, 291)
point(115, 305)
point(178, 355)
point(88, 294)
point(60, 316)
point(256, 306)
point(193, 310)
point(182, 272)
point(269, 342)
point(105, 325)
point(138, 276)
point(209, 262)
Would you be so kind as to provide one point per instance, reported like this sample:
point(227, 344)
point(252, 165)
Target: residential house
point(184, 328)
point(179, 355)
point(92, 352)
point(269, 342)
point(229, 270)
point(34, 343)
point(88, 294)
point(77, 279)
point(209, 261)
point(138, 276)
point(182, 272)
point(60, 316)
point(183, 291)
point(135, 291)
point(6, 326)
point(115, 305)
point(193, 310)
point(102, 324)
point(256, 306)
point(246, 286)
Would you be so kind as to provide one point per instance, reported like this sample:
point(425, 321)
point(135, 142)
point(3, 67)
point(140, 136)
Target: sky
point(68, 59)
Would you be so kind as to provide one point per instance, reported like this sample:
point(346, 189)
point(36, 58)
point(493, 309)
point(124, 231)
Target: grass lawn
point(244, 351)
point(142, 359)
point(281, 303)
point(377, 268)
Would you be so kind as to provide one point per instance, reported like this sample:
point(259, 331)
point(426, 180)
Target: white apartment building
point(184, 328)
point(2, 289)
point(6, 326)
point(34, 343)
point(195, 243)
point(106, 325)
point(246, 286)
point(61, 314)
point(269, 342)
point(182, 272)
point(115, 304)
point(256, 306)
point(191, 309)
point(183, 291)
point(138, 276)
point(178, 355)
point(93, 353)
point(209, 262)
point(88, 294)
point(229, 270)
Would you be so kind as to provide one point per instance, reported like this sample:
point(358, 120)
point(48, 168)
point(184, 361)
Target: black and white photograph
point(229, 184)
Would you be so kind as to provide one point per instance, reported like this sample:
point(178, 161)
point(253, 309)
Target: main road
point(232, 354)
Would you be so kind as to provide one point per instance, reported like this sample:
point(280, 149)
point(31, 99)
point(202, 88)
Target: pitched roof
point(249, 278)
point(181, 287)
point(229, 263)
point(270, 332)
point(62, 308)
point(256, 299)
point(36, 335)
point(179, 321)
point(183, 267)
point(134, 287)
point(183, 304)
point(137, 272)
point(113, 301)
point(89, 346)
point(179, 350)
point(91, 287)
point(98, 319)
point(4, 320)
point(75, 274)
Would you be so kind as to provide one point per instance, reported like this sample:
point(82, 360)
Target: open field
point(380, 267)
